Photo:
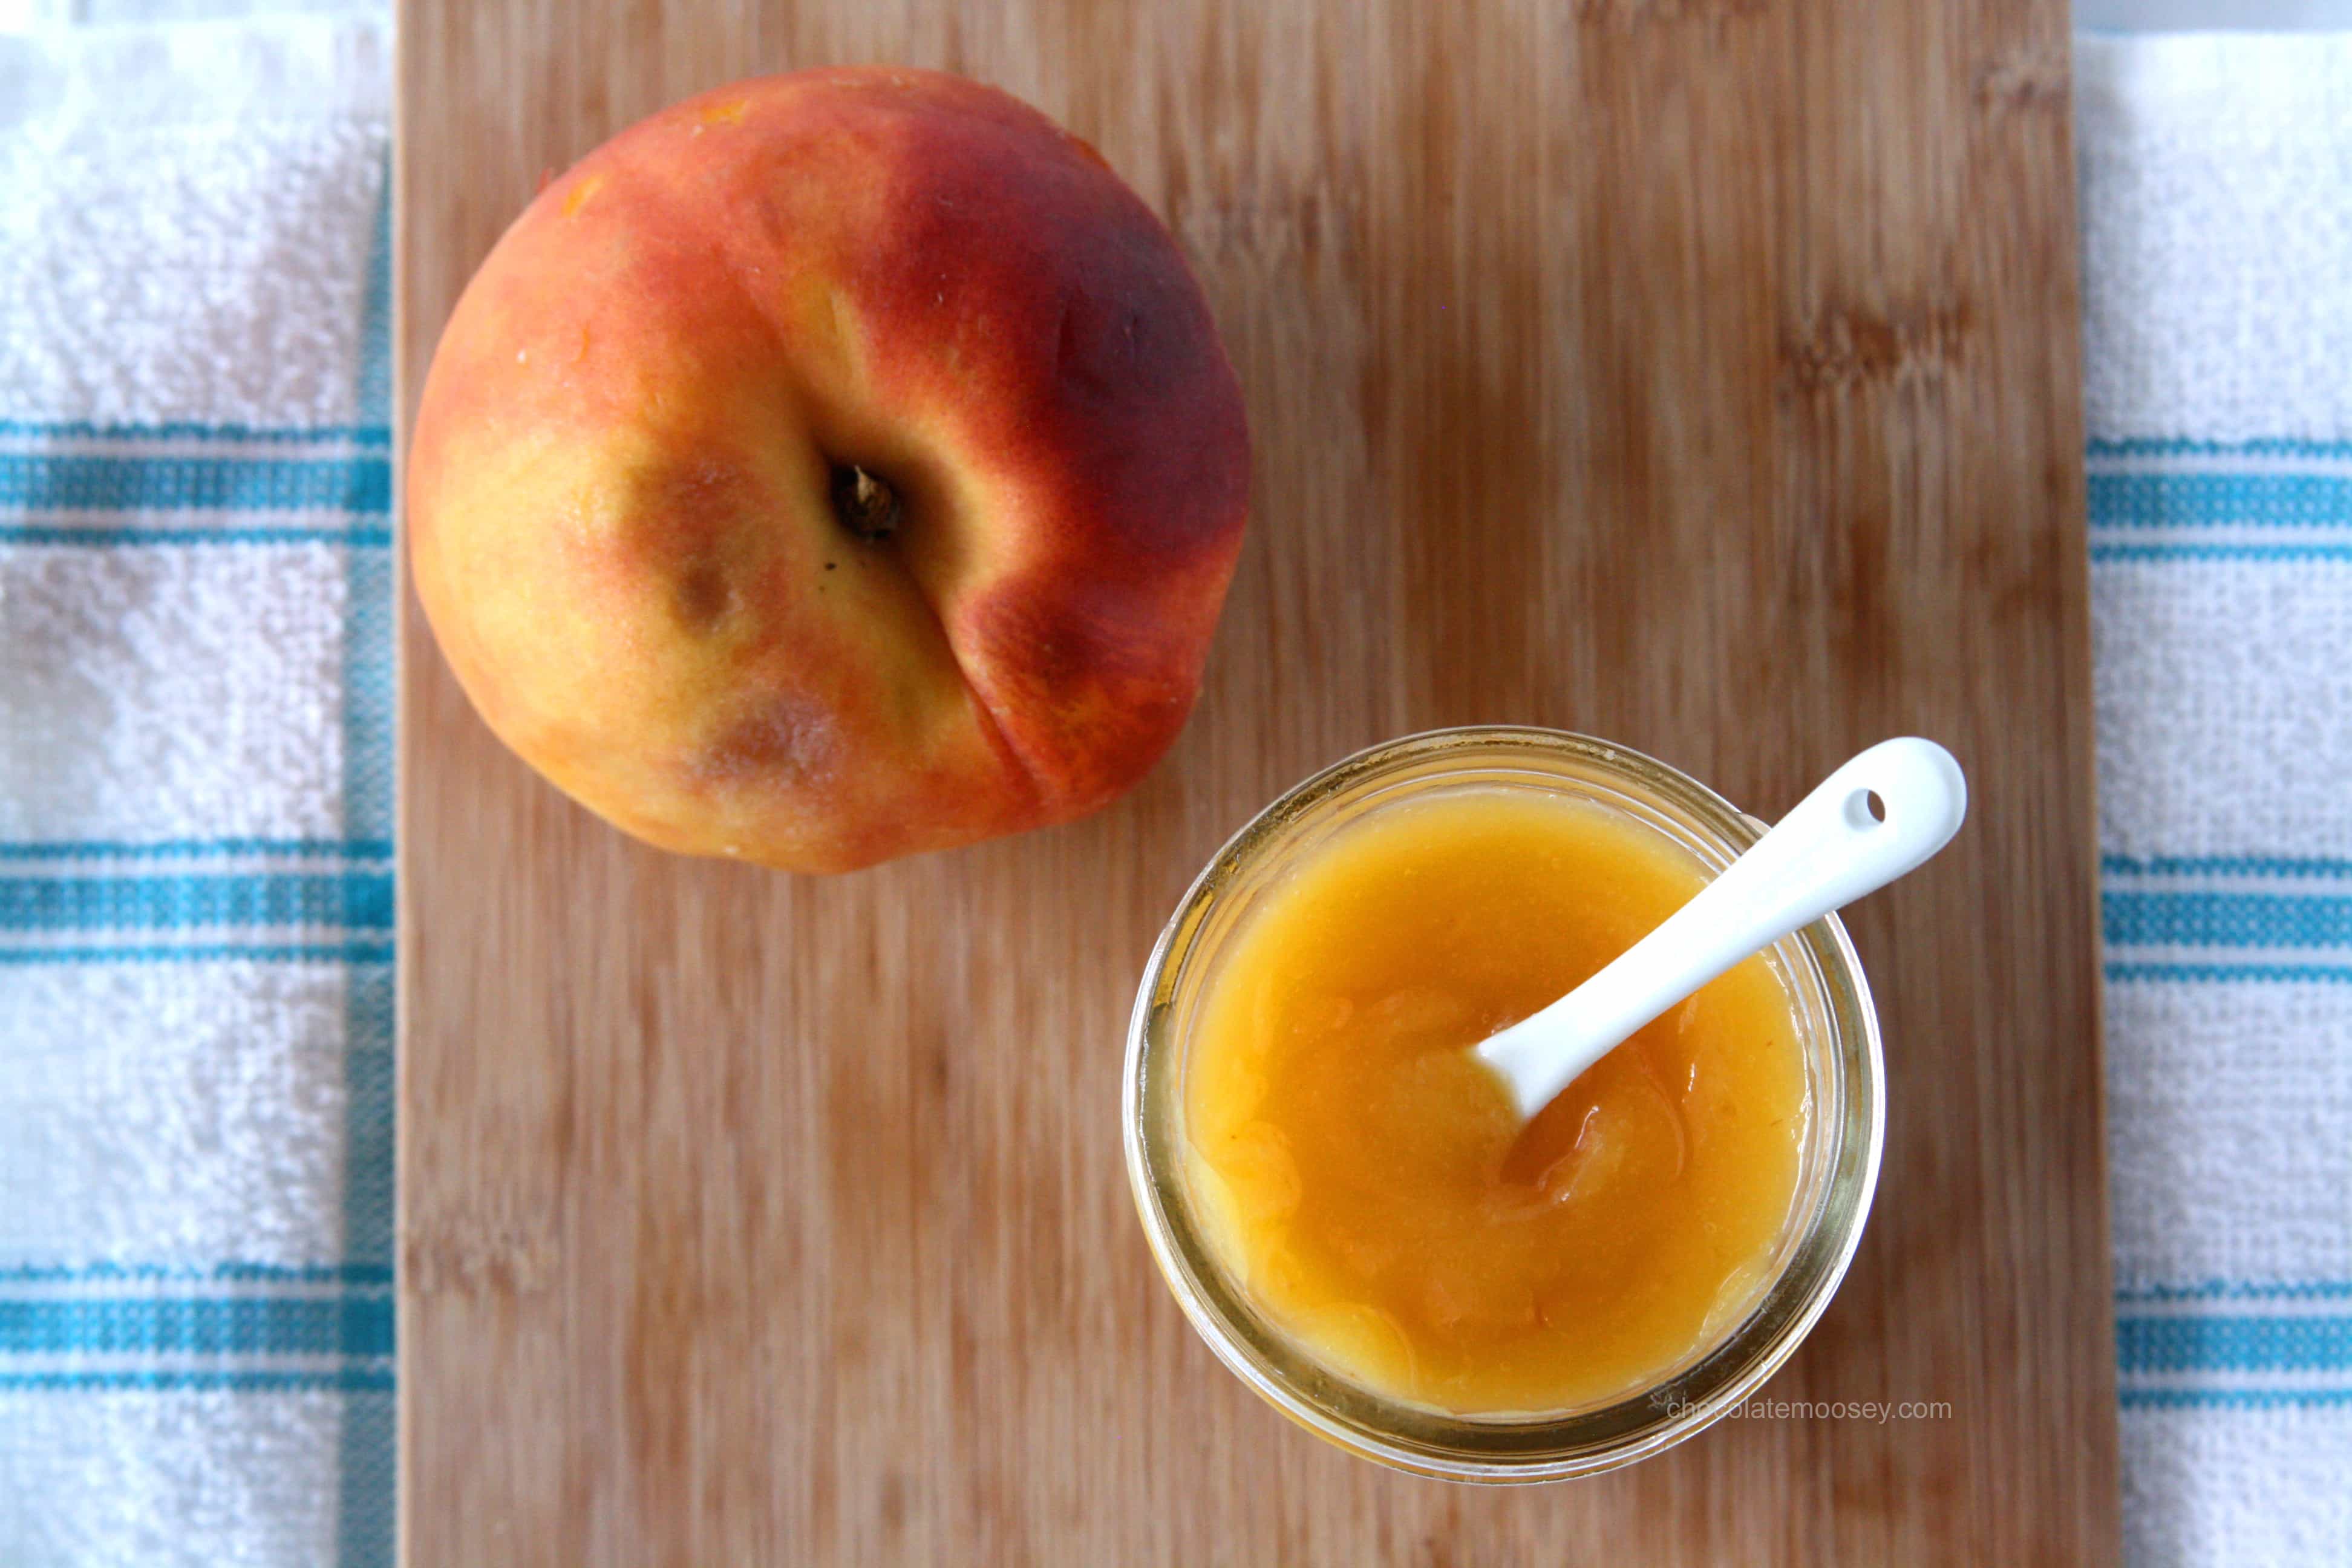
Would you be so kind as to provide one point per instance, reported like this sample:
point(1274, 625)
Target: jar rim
point(1551, 1445)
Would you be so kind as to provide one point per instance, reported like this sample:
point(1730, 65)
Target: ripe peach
point(829, 467)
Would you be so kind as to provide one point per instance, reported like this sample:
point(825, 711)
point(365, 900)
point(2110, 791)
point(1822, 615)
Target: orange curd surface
point(1359, 1175)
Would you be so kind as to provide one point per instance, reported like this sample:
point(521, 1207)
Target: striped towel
point(2217, 220)
point(195, 796)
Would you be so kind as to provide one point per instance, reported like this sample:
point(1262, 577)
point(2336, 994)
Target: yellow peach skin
point(832, 467)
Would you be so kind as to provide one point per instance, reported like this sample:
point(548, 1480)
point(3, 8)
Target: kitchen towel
point(196, 795)
point(2217, 275)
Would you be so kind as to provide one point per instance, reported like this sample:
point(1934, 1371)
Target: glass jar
point(1838, 1168)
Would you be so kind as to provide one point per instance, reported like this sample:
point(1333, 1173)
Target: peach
point(830, 468)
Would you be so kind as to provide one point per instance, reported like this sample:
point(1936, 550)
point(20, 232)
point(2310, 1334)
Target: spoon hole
point(1875, 807)
point(1865, 810)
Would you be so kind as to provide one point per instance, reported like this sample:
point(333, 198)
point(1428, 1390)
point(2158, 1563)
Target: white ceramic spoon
point(1827, 852)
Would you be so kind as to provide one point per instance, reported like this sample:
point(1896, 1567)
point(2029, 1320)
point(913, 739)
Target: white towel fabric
point(2216, 235)
point(195, 892)
point(195, 903)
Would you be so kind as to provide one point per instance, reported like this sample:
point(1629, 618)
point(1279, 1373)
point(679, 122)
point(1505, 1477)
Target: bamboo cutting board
point(1697, 373)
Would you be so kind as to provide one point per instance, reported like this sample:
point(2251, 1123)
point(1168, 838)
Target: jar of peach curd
point(1360, 1235)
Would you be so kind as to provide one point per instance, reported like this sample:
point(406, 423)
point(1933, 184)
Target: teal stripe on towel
point(354, 538)
point(2273, 552)
point(234, 1269)
point(194, 849)
point(374, 952)
point(350, 900)
point(2226, 919)
point(2229, 974)
point(45, 482)
point(2220, 500)
point(355, 1326)
point(348, 1380)
point(2234, 1344)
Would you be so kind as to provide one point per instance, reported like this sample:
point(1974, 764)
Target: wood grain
point(1697, 373)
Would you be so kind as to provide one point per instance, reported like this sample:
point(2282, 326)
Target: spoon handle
point(1826, 853)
